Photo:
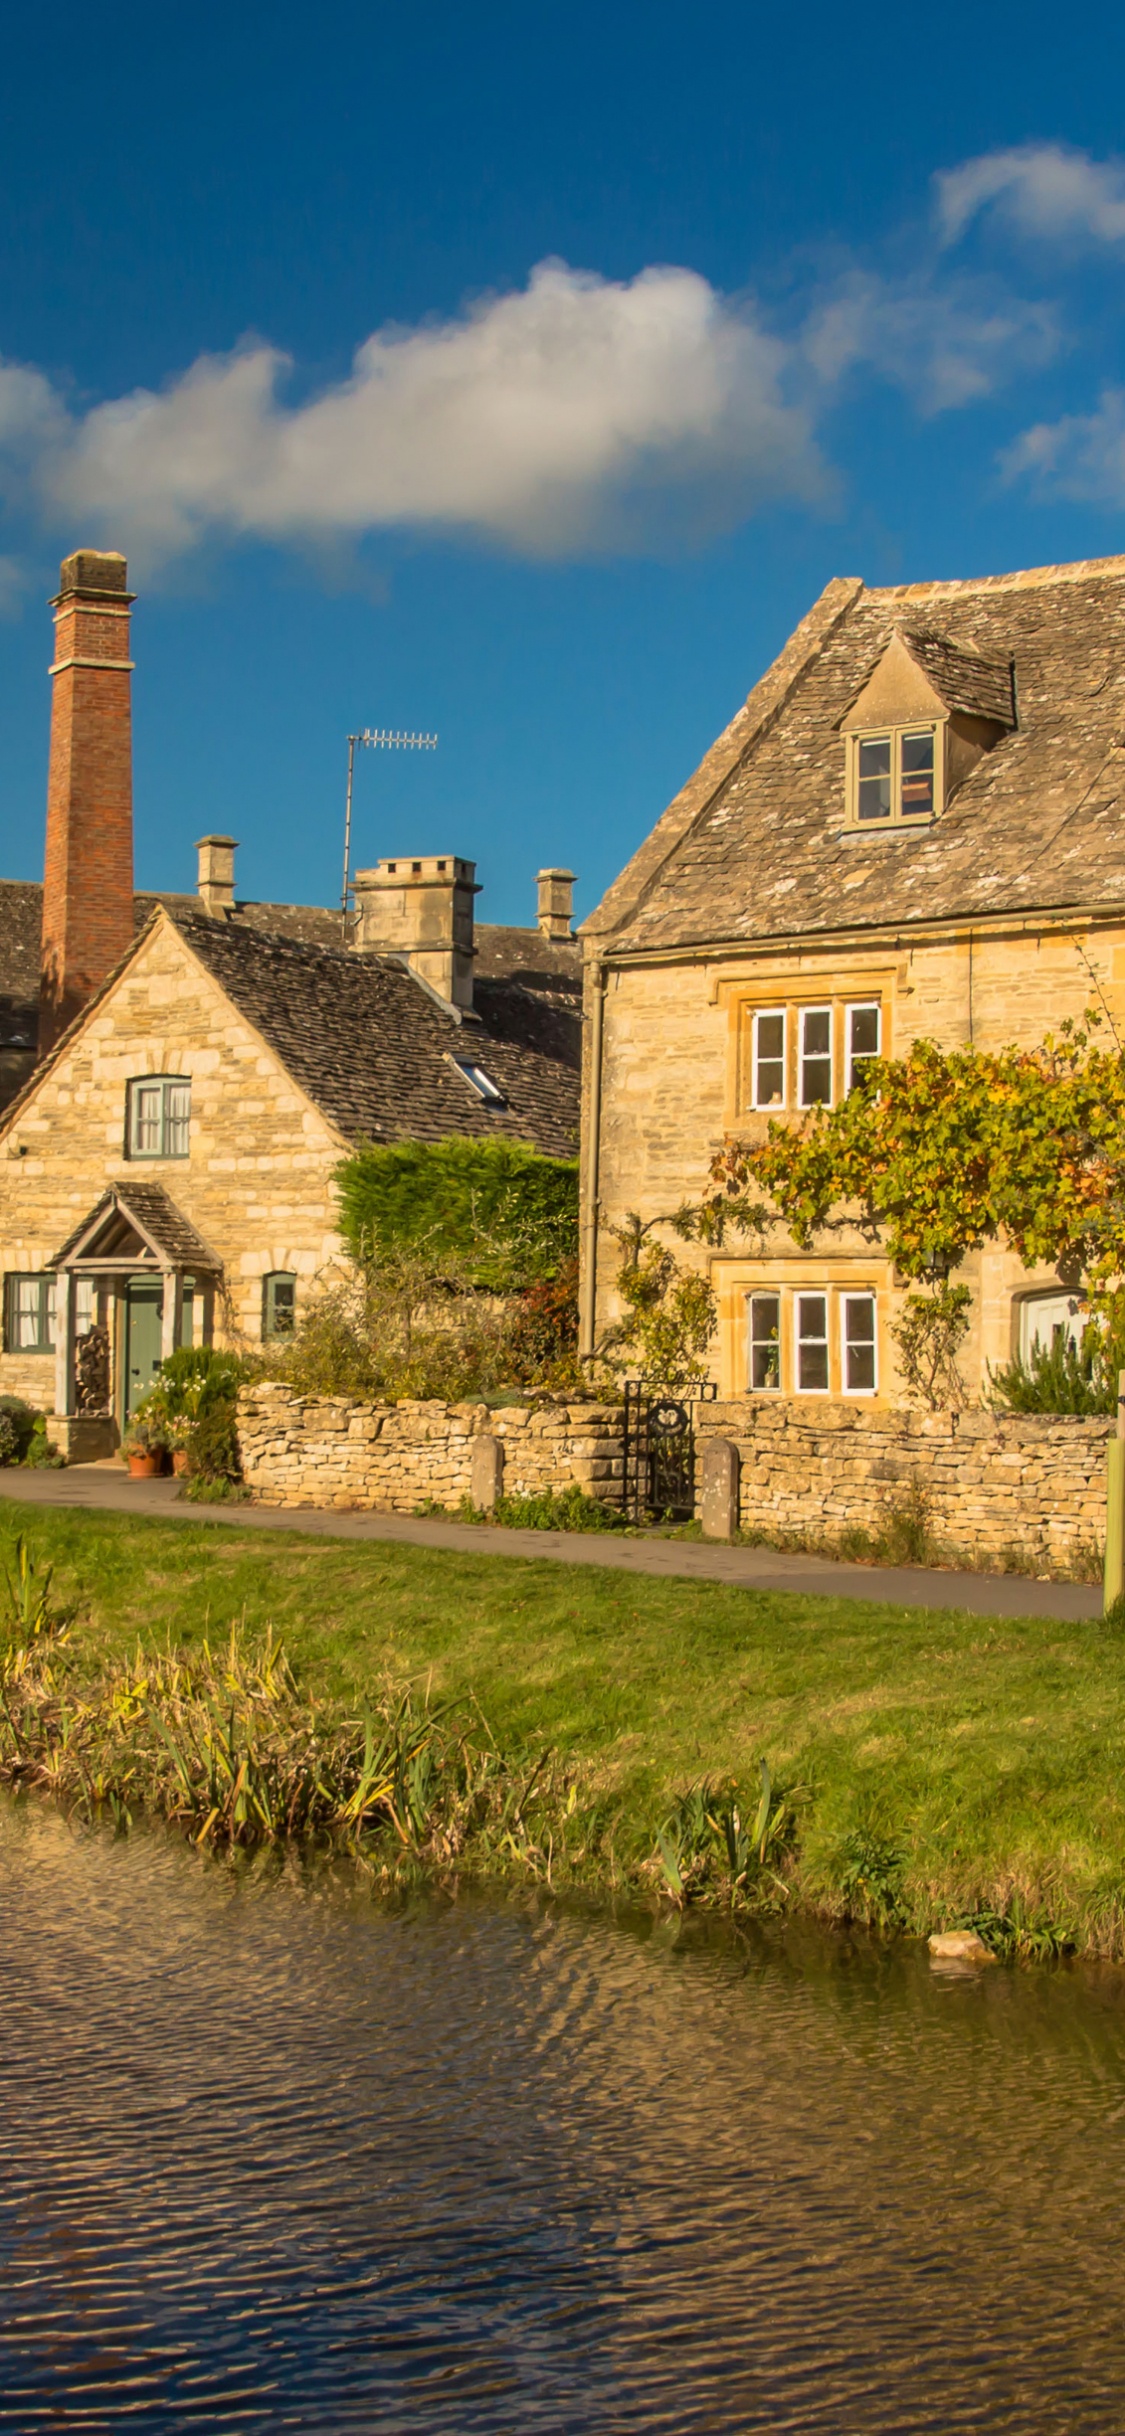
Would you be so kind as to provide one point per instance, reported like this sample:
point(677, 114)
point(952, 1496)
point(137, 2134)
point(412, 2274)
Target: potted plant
point(145, 1448)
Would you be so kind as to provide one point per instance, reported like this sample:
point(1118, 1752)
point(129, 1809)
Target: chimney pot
point(216, 873)
point(556, 899)
point(88, 920)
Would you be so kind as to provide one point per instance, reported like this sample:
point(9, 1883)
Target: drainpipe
point(593, 1147)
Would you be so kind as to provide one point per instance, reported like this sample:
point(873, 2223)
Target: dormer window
point(917, 728)
point(895, 776)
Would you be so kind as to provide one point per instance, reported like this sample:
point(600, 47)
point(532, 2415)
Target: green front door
point(144, 1305)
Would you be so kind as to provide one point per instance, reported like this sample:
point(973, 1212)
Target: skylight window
point(481, 1083)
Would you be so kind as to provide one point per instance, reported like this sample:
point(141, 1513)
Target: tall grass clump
point(226, 1746)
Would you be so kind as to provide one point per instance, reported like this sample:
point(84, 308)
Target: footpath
point(105, 1488)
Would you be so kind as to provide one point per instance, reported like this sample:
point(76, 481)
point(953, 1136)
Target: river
point(278, 2156)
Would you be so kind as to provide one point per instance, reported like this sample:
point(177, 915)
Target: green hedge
point(493, 1214)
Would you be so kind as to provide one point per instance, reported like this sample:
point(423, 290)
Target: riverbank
point(932, 1766)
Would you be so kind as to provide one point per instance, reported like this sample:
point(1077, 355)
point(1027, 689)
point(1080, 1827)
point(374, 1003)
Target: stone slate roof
point(21, 923)
point(545, 972)
point(147, 1210)
point(964, 680)
point(374, 1049)
point(753, 848)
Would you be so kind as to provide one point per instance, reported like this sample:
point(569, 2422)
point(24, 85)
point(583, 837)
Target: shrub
point(41, 1455)
point(490, 1215)
point(17, 1428)
point(1062, 1377)
point(393, 1330)
point(212, 1447)
point(541, 1333)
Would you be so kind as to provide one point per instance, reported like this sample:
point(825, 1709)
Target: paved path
point(105, 1487)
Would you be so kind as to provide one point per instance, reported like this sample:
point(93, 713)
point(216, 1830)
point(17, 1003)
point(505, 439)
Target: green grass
point(942, 1766)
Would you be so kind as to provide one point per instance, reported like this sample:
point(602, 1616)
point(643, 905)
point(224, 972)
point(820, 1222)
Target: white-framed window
point(857, 1344)
point(769, 1058)
point(816, 1057)
point(85, 1306)
point(812, 1344)
point(862, 1037)
point(1044, 1318)
point(809, 1056)
point(895, 776)
point(158, 1117)
point(765, 1341)
point(819, 1341)
point(29, 1314)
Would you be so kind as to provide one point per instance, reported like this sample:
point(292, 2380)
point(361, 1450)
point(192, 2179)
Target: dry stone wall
point(1027, 1482)
point(325, 1451)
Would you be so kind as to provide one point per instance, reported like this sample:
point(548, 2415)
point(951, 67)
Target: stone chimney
point(216, 873)
point(556, 898)
point(88, 867)
point(423, 910)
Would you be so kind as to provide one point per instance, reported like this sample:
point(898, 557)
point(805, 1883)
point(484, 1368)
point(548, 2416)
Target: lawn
point(944, 1764)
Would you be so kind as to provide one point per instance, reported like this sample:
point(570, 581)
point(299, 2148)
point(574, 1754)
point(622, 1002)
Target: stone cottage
point(182, 1075)
point(913, 827)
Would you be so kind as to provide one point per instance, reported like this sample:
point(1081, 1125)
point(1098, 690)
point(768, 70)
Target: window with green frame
point(29, 1314)
point(159, 1117)
point(279, 1303)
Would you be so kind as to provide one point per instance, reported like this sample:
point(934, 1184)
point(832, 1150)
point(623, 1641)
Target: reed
point(228, 1748)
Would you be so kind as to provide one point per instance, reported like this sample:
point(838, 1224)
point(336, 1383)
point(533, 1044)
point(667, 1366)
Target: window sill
point(852, 834)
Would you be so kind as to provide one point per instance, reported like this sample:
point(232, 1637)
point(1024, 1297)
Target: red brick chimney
point(88, 869)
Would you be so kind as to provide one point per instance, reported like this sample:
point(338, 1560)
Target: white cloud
point(572, 415)
point(946, 343)
point(528, 420)
point(1044, 190)
point(1081, 456)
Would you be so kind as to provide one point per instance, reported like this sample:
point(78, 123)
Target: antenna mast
point(370, 735)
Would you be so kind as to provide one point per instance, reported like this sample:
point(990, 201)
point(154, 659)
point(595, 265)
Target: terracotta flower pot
point(143, 1466)
point(180, 1462)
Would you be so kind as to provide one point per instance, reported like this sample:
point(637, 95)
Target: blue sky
point(524, 374)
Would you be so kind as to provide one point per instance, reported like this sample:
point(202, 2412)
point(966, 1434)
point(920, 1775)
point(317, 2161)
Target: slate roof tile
point(368, 1054)
point(758, 851)
point(375, 1051)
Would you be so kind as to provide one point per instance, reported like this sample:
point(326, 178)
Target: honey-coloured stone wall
point(1024, 1486)
point(1029, 1484)
point(326, 1451)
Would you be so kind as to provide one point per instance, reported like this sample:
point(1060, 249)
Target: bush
point(17, 1428)
point(394, 1330)
point(41, 1455)
point(1063, 1377)
point(199, 1375)
point(192, 1406)
point(541, 1333)
point(496, 1216)
point(212, 1447)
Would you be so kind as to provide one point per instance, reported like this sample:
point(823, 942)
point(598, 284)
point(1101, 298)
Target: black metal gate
point(659, 1482)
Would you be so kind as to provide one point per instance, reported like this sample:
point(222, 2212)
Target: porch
point(133, 1282)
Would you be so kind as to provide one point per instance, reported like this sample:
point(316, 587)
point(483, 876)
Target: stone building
point(913, 827)
point(182, 1075)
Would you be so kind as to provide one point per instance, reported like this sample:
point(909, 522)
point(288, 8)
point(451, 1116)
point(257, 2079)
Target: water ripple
point(276, 2157)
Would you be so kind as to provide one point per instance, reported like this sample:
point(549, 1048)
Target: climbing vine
point(943, 1150)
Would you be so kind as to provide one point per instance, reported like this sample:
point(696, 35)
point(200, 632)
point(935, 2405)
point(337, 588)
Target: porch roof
point(136, 1224)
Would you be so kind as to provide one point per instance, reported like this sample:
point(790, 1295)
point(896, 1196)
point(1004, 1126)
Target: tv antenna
point(387, 736)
